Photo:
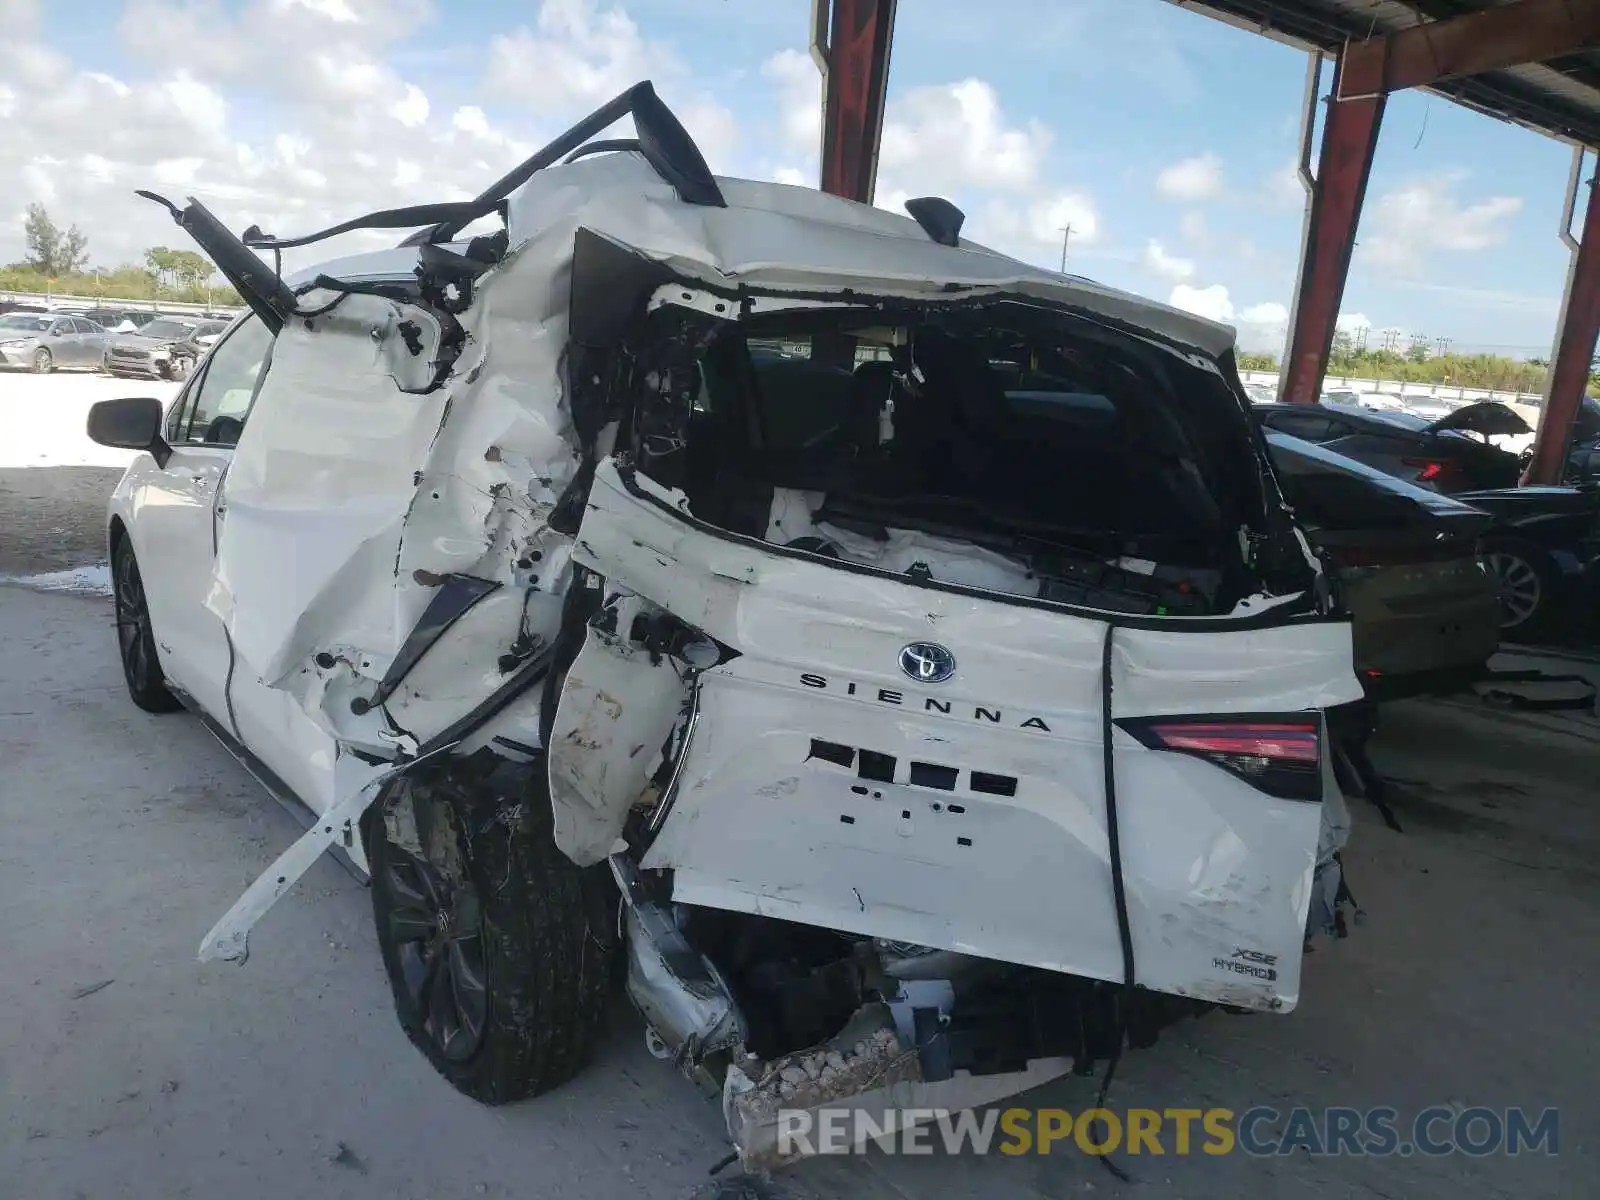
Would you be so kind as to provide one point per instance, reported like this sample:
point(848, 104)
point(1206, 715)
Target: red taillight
point(1279, 755)
point(1297, 741)
point(1428, 469)
point(1436, 471)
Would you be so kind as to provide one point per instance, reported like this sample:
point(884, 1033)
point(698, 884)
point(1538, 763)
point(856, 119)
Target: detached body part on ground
point(915, 643)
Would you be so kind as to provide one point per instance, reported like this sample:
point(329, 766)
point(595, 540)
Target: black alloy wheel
point(436, 927)
point(136, 640)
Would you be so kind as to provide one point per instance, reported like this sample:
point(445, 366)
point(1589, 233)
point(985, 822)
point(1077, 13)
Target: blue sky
point(1166, 138)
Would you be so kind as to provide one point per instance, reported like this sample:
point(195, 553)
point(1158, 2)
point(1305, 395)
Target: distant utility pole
point(1443, 345)
point(1066, 236)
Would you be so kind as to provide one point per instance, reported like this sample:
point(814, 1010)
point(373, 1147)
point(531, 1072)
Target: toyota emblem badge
point(927, 662)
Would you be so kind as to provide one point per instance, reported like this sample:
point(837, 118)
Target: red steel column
point(1575, 344)
point(855, 79)
point(1349, 137)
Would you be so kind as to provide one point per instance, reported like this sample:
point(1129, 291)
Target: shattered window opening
point(1004, 446)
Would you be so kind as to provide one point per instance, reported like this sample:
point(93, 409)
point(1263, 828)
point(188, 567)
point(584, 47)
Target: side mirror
point(132, 423)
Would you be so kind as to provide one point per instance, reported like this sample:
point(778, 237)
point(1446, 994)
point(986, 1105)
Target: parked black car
point(1424, 616)
point(1583, 458)
point(1446, 455)
point(1543, 552)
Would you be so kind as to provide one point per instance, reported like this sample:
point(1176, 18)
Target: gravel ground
point(129, 1070)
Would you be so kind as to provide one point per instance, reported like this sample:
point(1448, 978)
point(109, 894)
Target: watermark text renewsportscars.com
point(1259, 1131)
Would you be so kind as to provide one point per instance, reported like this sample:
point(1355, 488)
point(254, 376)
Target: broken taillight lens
point(1439, 472)
point(1277, 754)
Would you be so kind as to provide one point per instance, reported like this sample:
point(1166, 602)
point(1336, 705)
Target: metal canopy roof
point(1560, 98)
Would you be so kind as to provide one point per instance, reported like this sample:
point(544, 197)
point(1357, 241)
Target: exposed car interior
point(1102, 469)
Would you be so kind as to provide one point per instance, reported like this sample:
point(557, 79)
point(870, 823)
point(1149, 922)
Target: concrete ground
point(127, 1069)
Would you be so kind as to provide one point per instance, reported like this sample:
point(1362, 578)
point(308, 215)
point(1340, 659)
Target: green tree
point(162, 264)
point(50, 251)
point(191, 269)
point(1417, 352)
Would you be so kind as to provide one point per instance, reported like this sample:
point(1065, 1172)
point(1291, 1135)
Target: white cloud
point(799, 92)
point(1157, 261)
point(1283, 187)
point(952, 136)
point(1267, 313)
point(1195, 230)
point(79, 140)
point(297, 114)
point(1405, 226)
point(1032, 230)
point(1215, 302)
point(1193, 179)
point(334, 10)
point(1212, 302)
point(576, 57)
point(580, 55)
point(1350, 322)
point(411, 109)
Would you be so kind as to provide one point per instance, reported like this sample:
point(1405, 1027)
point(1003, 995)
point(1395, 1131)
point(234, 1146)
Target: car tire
point(500, 951)
point(43, 361)
point(136, 639)
point(1524, 581)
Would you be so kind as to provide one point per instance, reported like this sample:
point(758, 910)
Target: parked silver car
point(44, 341)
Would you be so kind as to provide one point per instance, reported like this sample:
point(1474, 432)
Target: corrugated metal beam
point(1574, 351)
point(1524, 31)
point(855, 65)
point(1348, 140)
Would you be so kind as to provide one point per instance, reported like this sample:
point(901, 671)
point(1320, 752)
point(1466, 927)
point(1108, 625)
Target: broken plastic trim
point(456, 595)
point(451, 334)
point(229, 937)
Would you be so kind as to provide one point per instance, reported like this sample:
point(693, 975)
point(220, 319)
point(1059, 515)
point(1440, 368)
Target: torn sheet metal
point(1009, 769)
point(354, 488)
point(352, 499)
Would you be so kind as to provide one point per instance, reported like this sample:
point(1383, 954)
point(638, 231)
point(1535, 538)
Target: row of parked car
point(125, 342)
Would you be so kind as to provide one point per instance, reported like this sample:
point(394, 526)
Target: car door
point(91, 342)
point(269, 722)
point(61, 341)
point(175, 514)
